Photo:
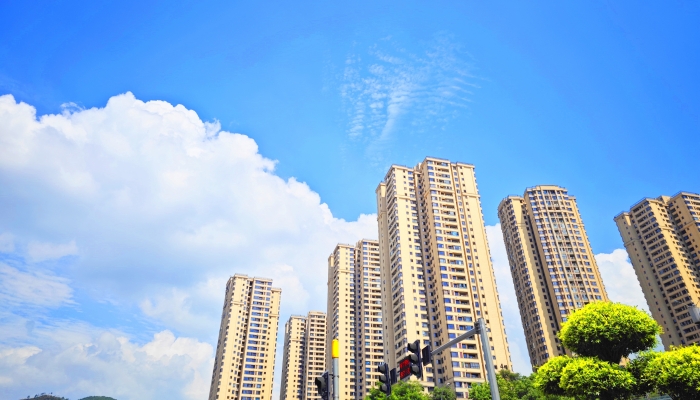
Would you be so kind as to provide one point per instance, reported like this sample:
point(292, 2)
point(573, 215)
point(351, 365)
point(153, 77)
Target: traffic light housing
point(427, 355)
point(414, 358)
point(384, 378)
point(322, 385)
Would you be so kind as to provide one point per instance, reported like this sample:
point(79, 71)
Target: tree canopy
point(601, 335)
point(511, 386)
point(609, 331)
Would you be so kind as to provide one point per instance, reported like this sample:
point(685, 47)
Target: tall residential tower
point(304, 355)
point(293, 359)
point(553, 267)
point(314, 353)
point(355, 316)
point(662, 238)
point(437, 277)
point(245, 351)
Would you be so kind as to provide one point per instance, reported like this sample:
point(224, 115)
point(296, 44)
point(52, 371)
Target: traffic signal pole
point(480, 330)
point(336, 370)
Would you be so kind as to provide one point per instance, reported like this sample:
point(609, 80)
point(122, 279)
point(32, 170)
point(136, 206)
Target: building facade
point(245, 351)
point(552, 264)
point(369, 345)
point(340, 322)
point(314, 360)
point(355, 316)
point(293, 359)
point(436, 271)
point(662, 238)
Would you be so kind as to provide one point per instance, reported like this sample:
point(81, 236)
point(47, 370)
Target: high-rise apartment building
point(245, 351)
point(293, 359)
point(553, 267)
point(304, 355)
point(662, 238)
point(314, 363)
point(369, 344)
point(341, 317)
point(437, 277)
point(355, 315)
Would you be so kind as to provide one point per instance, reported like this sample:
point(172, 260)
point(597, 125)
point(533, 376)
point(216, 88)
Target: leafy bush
point(676, 372)
point(591, 378)
point(609, 331)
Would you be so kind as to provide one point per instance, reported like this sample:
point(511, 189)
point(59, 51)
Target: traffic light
point(322, 385)
point(414, 358)
point(427, 355)
point(384, 378)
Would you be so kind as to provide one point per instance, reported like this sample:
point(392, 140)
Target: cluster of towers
point(429, 277)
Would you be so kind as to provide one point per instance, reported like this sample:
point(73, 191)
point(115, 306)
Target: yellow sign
point(335, 349)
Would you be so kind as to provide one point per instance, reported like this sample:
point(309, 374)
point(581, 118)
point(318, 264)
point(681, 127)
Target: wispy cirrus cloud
point(388, 88)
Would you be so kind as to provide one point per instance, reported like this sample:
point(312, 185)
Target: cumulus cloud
point(158, 209)
point(620, 279)
point(82, 360)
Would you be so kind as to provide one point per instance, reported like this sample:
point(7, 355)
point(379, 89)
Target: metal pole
point(336, 372)
point(488, 360)
point(468, 334)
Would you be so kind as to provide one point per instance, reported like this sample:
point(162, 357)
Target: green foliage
point(411, 390)
point(511, 386)
point(480, 392)
point(609, 331)
point(591, 378)
point(45, 396)
point(443, 393)
point(375, 393)
point(639, 368)
point(548, 375)
point(676, 372)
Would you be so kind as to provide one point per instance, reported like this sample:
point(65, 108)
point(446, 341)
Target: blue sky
point(120, 221)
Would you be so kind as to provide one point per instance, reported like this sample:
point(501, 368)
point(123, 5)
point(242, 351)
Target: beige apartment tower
point(314, 363)
point(437, 277)
point(662, 238)
point(355, 316)
point(245, 351)
point(293, 359)
point(369, 345)
point(553, 267)
point(304, 355)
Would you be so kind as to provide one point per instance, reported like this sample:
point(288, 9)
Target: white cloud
point(38, 251)
point(162, 208)
point(383, 87)
point(620, 279)
point(7, 243)
point(36, 288)
point(83, 361)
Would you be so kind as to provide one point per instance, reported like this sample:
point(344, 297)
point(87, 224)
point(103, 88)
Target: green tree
point(411, 390)
point(548, 376)
point(511, 386)
point(443, 393)
point(375, 393)
point(591, 378)
point(609, 331)
point(676, 372)
point(639, 368)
